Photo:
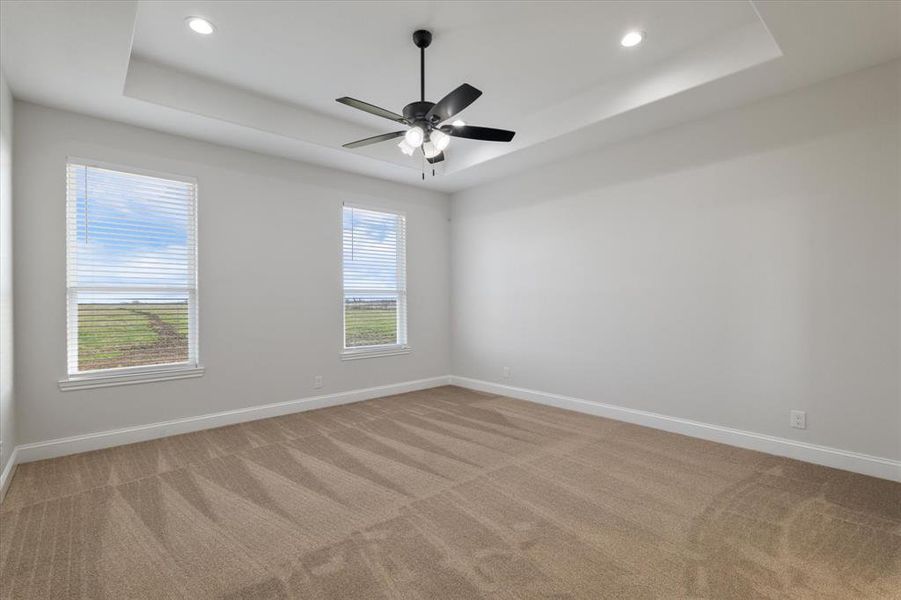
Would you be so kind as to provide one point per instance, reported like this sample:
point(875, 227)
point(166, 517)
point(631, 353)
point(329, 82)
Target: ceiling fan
point(425, 120)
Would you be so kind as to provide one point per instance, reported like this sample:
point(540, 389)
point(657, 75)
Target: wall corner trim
point(140, 433)
point(865, 464)
point(6, 475)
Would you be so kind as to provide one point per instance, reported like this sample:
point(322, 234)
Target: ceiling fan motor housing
point(415, 112)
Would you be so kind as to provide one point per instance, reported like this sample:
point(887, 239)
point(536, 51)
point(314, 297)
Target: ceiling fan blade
point(473, 132)
point(371, 109)
point(436, 159)
point(375, 139)
point(453, 103)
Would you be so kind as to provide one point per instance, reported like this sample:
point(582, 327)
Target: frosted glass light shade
point(440, 139)
point(430, 150)
point(406, 148)
point(414, 136)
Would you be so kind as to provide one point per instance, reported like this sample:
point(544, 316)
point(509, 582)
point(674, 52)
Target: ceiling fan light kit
point(425, 121)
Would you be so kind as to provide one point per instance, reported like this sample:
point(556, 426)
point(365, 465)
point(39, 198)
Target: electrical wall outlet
point(506, 372)
point(798, 419)
point(317, 382)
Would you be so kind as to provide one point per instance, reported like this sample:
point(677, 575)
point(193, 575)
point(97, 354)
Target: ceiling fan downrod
point(422, 38)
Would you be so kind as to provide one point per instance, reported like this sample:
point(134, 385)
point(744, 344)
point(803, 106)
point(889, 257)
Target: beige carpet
point(444, 493)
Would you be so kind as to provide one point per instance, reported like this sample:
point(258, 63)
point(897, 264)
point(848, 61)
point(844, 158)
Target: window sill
point(87, 382)
point(374, 352)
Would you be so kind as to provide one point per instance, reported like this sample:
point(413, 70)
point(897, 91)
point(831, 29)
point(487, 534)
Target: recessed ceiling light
point(633, 38)
point(200, 25)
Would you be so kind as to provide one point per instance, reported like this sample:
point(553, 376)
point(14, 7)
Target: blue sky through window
point(370, 250)
point(131, 231)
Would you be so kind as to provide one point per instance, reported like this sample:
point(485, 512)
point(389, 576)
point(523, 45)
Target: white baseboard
point(823, 455)
point(141, 433)
point(875, 466)
point(6, 475)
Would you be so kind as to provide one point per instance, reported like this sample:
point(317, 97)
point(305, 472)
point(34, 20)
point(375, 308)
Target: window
point(131, 272)
point(375, 282)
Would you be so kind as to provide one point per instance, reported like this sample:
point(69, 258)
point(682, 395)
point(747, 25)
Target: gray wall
point(727, 271)
point(269, 277)
point(7, 409)
point(724, 271)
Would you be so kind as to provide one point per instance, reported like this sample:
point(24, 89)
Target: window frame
point(397, 348)
point(140, 373)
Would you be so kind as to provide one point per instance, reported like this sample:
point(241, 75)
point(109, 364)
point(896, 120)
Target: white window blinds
point(131, 270)
point(375, 279)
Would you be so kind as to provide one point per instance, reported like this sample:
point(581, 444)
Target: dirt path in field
point(169, 347)
point(169, 342)
point(168, 336)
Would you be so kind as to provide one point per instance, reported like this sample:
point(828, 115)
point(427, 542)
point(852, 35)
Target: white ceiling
point(310, 55)
point(553, 71)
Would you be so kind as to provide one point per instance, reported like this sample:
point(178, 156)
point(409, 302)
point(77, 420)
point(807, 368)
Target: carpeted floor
point(444, 493)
